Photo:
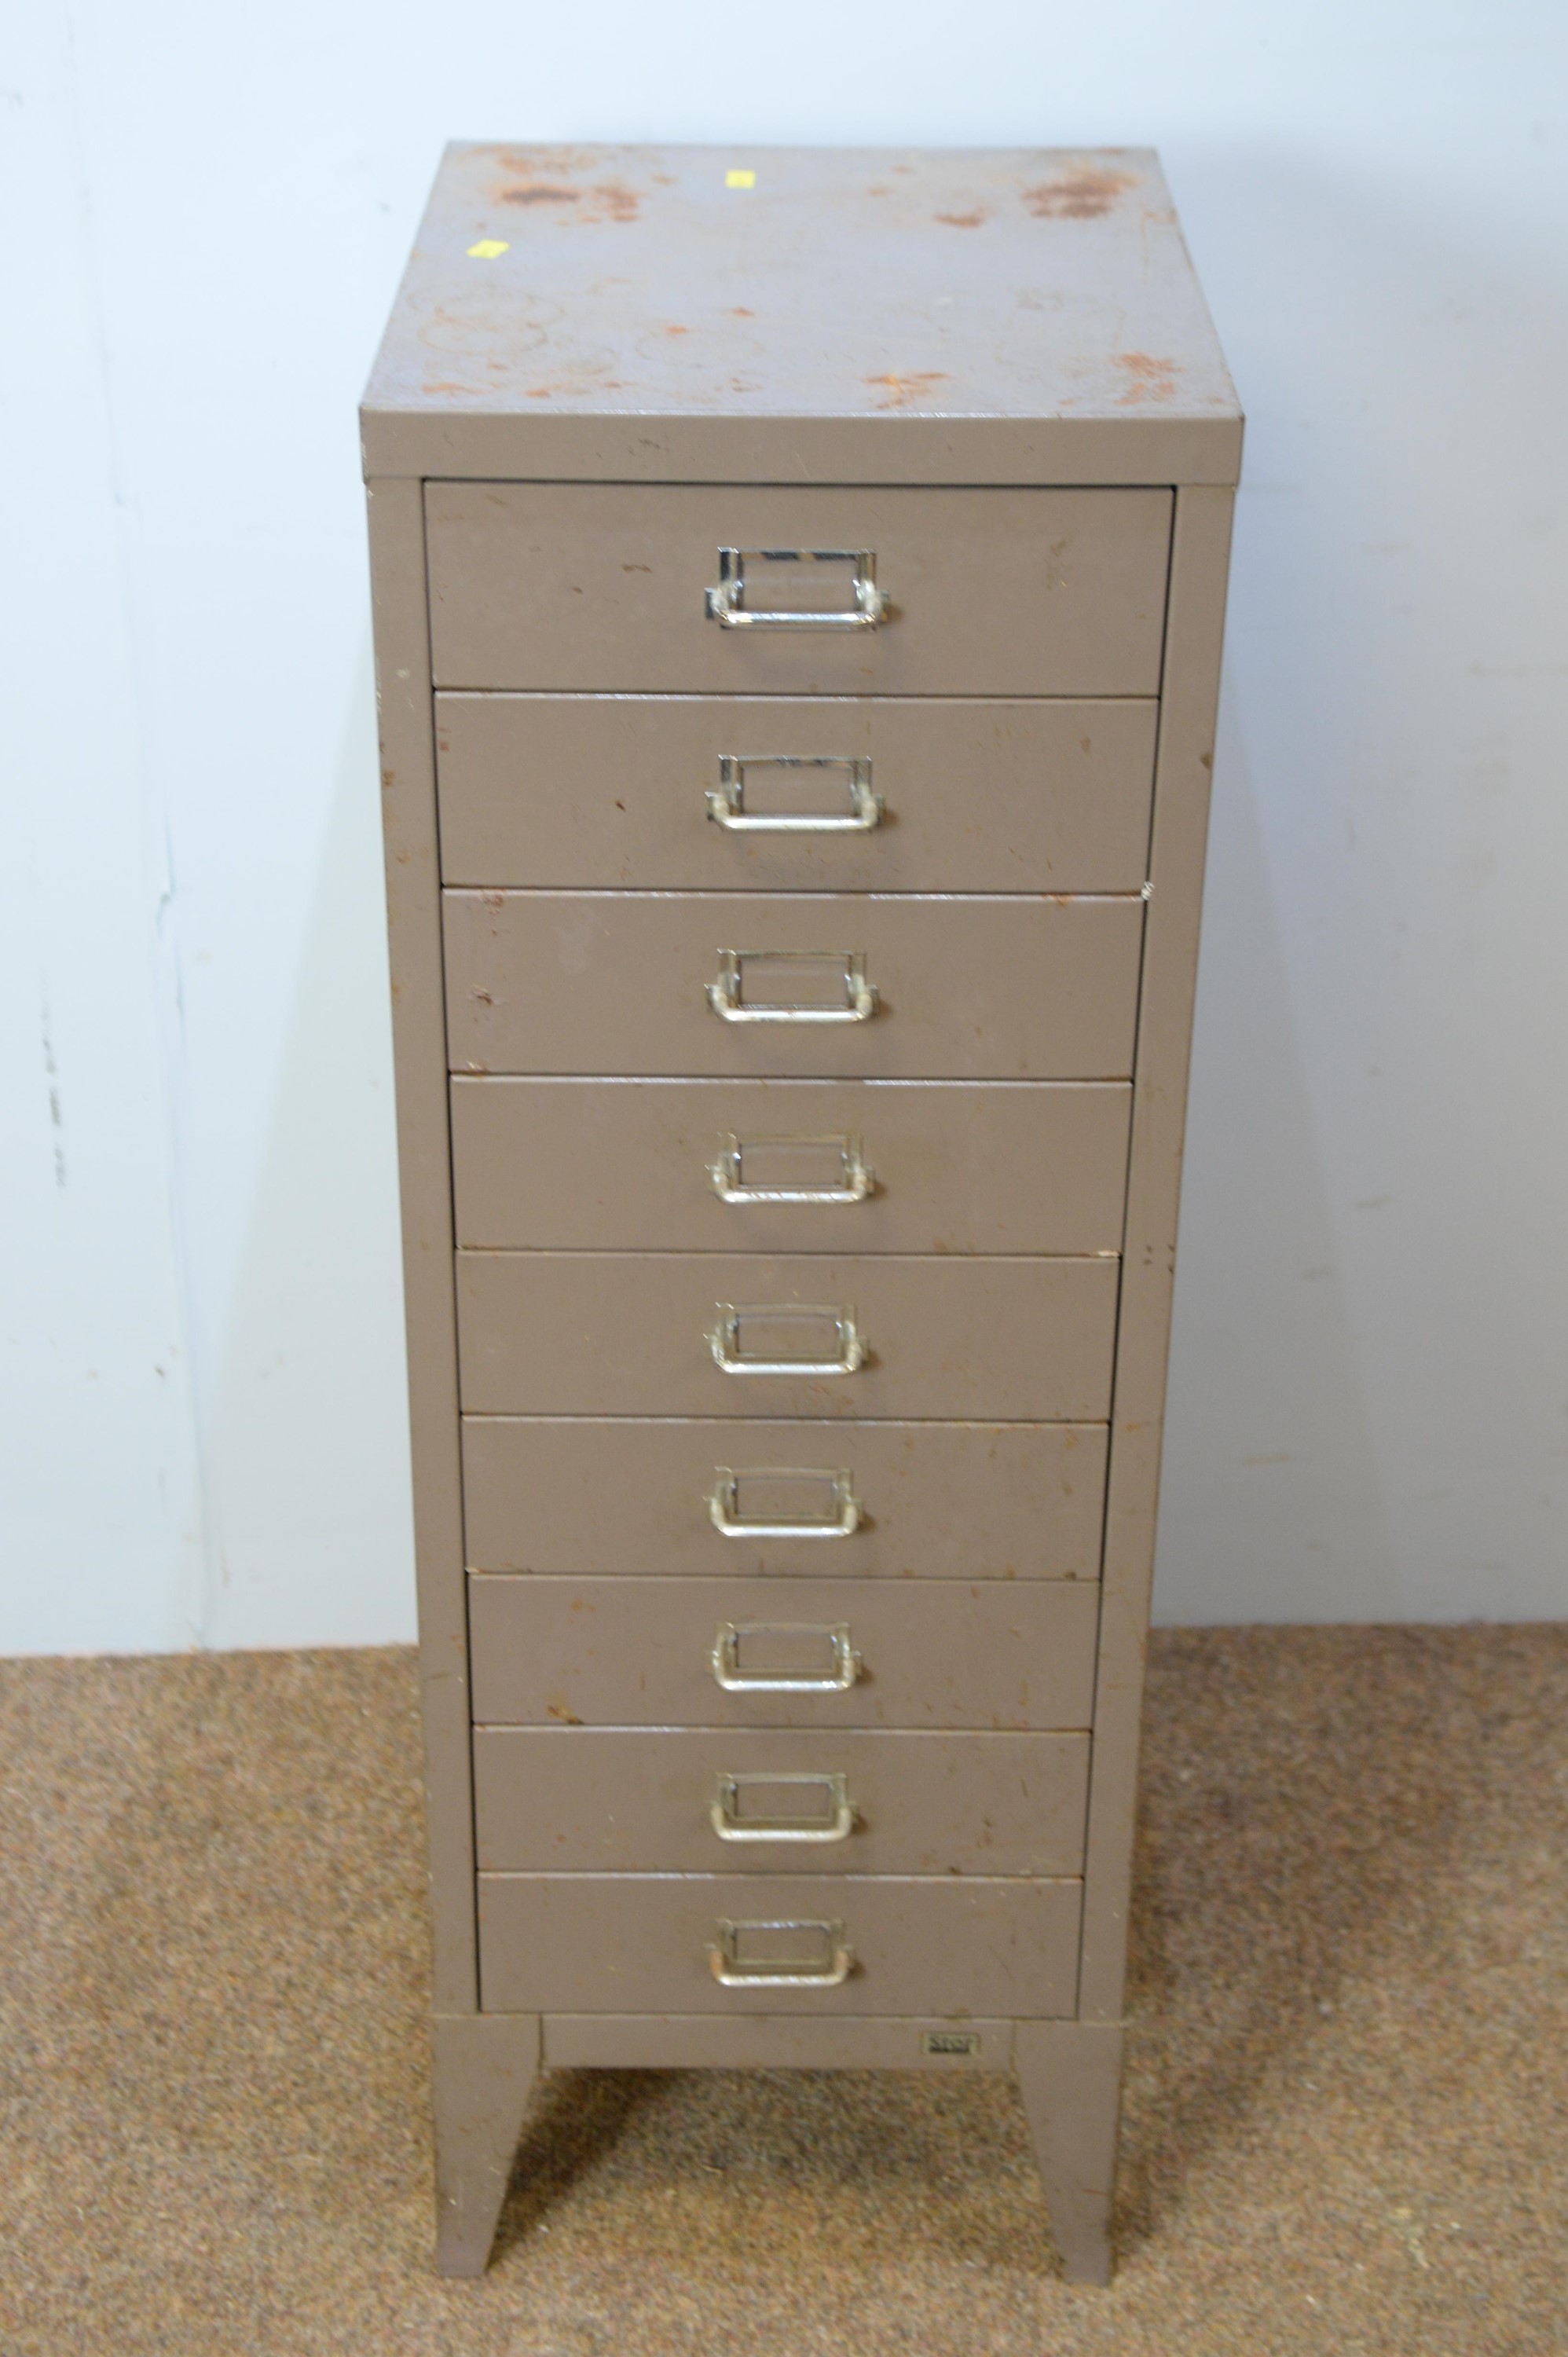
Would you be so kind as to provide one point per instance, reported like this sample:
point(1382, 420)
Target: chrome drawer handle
point(727, 802)
point(731, 1185)
point(834, 1821)
point(731, 1357)
point(728, 999)
point(724, 1504)
point(726, 604)
point(837, 1678)
point(732, 1970)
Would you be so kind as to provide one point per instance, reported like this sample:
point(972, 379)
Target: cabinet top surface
point(973, 289)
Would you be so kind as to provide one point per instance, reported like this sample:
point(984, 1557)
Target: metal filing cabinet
point(798, 585)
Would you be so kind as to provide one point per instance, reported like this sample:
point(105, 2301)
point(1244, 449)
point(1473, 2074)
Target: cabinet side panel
point(413, 922)
point(1195, 630)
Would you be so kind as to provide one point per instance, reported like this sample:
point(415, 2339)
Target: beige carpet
point(1347, 2123)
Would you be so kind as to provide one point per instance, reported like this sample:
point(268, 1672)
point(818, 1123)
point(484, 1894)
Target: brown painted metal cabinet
point(799, 583)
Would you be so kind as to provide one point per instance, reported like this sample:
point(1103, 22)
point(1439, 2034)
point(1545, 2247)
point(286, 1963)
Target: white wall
point(201, 1375)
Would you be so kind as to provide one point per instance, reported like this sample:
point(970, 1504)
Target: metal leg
point(1070, 2076)
point(484, 2070)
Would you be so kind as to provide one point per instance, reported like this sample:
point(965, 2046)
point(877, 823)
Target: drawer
point(777, 1801)
point(1008, 1656)
point(993, 1501)
point(631, 1943)
point(641, 1334)
point(603, 585)
point(977, 988)
point(858, 1165)
point(916, 795)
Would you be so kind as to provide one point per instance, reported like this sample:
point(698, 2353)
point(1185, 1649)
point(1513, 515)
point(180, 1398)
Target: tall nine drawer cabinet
point(798, 584)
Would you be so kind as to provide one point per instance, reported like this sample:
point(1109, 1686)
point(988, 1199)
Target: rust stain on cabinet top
point(1079, 192)
point(1005, 294)
point(899, 391)
point(608, 200)
point(1149, 378)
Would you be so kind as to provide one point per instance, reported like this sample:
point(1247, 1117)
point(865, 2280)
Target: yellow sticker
point(740, 180)
point(488, 248)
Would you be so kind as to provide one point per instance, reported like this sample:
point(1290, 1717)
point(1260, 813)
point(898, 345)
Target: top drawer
point(602, 587)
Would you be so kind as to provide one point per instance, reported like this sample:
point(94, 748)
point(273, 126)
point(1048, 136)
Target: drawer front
point(864, 1165)
point(623, 1943)
point(1011, 1656)
point(987, 592)
point(992, 1502)
point(623, 983)
point(642, 1334)
point(671, 793)
point(757, 1801)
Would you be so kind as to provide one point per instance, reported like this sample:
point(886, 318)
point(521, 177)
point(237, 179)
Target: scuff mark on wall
point(57, 1122)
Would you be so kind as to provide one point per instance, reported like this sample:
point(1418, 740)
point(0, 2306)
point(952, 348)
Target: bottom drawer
point(772, 1801)
point(795, 1943)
